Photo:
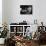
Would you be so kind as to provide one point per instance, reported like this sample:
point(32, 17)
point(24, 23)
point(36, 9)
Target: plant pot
point(2, 40)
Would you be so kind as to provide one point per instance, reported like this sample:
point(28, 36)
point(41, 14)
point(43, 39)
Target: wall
point(0, 13)
point(12, 11)
point(4, 11)
point(42, 11)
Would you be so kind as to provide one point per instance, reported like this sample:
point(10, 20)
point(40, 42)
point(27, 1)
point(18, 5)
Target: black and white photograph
point(26, 9)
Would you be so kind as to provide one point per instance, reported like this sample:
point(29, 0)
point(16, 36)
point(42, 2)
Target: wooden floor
point(1, 45)
point(42, 45)
point(32, 45)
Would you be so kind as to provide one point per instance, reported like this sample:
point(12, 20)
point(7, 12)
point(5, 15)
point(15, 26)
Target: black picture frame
point(26, 9)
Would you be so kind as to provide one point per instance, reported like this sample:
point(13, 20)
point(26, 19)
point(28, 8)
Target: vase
point(2, 40)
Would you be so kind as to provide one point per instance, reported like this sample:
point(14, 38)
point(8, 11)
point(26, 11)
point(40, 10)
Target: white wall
point(4, 11)
point(0, 13)
point(42, 11)
point(12, 11)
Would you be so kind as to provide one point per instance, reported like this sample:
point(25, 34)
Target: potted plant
point(3, 34)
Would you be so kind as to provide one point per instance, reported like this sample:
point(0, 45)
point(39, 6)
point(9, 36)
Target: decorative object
point(2, 40)
point(26, 9)
point(3, 34)
point(35, 21)
point(28, 33)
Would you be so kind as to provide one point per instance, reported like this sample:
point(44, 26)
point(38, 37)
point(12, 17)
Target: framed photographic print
point(26, 9)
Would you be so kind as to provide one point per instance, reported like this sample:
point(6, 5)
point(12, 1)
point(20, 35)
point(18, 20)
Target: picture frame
point(26, 9)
